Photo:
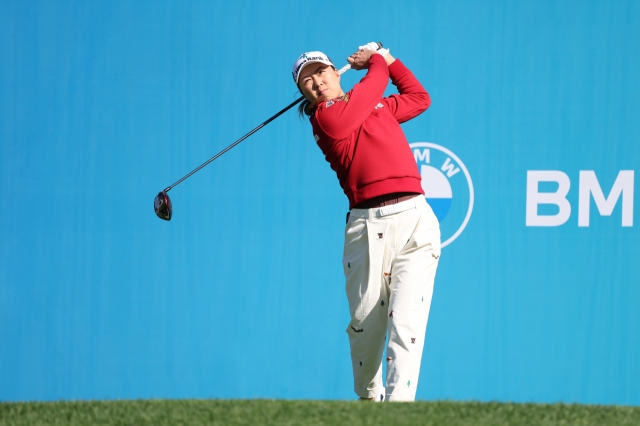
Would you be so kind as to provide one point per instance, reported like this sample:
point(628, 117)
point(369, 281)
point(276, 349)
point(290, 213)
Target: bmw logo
point(447, 186)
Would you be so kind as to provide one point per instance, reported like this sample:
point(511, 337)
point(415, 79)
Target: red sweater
point(360, 133)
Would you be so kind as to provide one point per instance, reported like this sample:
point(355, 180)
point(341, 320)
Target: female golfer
point(392, 237)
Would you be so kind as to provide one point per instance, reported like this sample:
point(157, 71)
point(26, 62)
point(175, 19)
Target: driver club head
point(162, 205)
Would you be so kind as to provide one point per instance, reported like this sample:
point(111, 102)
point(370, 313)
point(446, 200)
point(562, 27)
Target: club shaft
point(288, 107)
point(285, 109)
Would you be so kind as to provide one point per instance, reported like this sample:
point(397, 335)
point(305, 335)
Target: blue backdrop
point(533, 134)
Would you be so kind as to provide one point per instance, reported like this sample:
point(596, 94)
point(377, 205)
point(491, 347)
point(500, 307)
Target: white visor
point(306, 59)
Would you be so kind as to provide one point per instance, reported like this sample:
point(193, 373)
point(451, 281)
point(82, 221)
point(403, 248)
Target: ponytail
point(307, 107)
point(302, 108)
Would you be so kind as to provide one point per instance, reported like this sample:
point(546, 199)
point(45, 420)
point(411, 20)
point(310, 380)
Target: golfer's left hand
point(375, 47)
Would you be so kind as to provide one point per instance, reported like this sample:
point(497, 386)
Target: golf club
point(162, 203)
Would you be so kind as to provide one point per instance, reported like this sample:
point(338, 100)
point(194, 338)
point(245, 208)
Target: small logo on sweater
point(316, 137)
point(379, 106)
point(344, 98)
point(445, 177)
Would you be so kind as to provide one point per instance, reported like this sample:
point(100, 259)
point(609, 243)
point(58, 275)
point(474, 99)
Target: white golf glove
point(374, 46)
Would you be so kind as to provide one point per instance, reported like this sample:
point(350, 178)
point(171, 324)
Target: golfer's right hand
point(360, 59)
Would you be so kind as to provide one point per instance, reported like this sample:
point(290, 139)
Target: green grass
point(270, 412)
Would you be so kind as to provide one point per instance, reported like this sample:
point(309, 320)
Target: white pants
point(390, 259)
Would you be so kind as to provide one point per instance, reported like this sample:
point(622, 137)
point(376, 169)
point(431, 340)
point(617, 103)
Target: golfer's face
point(319, 81)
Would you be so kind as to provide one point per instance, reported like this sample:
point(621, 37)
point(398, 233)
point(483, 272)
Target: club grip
point(380, 46)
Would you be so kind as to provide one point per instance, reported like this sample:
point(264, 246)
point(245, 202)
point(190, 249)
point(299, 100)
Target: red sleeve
point(413, 98)
point(340, 121)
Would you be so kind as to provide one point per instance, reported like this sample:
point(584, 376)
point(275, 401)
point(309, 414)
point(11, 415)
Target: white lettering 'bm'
point(622, 187)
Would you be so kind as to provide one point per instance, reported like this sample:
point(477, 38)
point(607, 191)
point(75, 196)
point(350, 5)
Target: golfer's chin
point(329, 94)
point(317, 101)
